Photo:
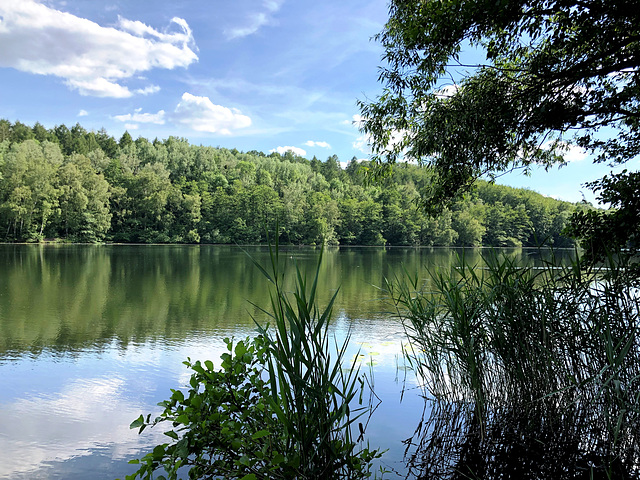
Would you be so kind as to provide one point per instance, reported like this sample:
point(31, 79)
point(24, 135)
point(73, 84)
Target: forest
point(85, 186)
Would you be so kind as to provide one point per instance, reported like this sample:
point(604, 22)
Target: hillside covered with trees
point(86, 186)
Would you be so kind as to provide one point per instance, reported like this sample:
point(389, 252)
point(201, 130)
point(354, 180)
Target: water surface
point(92, 336)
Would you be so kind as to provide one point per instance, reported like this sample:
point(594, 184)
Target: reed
point(313, 395)
point(516, 353)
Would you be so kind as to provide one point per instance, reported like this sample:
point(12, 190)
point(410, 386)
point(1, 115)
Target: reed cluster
point(528, 371)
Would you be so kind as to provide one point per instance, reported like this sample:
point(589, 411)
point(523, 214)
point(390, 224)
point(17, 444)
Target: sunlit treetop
point(553, 72)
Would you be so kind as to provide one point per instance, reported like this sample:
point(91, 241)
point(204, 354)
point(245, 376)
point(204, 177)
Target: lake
point(94, 335)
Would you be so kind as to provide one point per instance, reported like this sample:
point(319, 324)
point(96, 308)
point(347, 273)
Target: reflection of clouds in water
point(85, 415)
point(81, 417)
point(86, 418)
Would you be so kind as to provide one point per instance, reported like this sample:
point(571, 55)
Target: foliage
point(517, 359)
point(555, 72)
point(171, 191)
point(600, 230)
point(280, 406)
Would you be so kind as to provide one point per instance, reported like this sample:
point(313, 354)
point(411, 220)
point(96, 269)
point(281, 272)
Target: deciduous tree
point(555, 72)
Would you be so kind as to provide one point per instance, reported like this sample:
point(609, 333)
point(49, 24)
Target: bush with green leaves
point(281, 405)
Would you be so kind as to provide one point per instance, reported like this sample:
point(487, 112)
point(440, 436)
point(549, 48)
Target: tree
point(65, 139)
point(83, 200)
point(5, 130)
point(40, 133)
point(125, 140)
point(599, 229)
point(28, 196)
point(556, 72)
point(470, 229)
point(21, 132)
point(107, 143)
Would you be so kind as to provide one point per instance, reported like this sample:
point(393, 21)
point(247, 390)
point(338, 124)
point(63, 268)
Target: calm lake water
point(93, 336)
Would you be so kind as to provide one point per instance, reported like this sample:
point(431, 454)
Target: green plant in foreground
point(279, 406)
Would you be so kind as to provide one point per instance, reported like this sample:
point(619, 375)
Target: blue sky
point(248, 74)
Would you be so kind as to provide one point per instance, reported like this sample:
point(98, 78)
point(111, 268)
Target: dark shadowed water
point(93, 336)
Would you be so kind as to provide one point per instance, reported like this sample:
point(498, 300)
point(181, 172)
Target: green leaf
point(183, 419)
point(260, 434)
point(138, 422)
point(178, 396)
point(240, 349)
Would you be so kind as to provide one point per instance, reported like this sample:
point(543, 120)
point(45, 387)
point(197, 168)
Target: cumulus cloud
point(311, 143)
point(202, 115)
point(83, 113)
point(363, 143)
point(295, 150)
point(148, 90)
point(257, 19)
point(92, 59)
point(73, 428)
point(138, 116)
point(572, 153)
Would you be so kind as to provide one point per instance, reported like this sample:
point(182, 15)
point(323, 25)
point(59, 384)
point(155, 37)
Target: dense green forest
point(86, 186)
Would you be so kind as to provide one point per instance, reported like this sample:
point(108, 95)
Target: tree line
point(86, 186)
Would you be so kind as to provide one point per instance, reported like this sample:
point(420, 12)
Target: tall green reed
point(312, 393)
point(509, 348)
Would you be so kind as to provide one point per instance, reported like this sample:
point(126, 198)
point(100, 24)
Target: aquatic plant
point(527, 370)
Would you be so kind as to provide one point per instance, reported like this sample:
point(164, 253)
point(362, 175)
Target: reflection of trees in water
point(520, 443)
point(63, 298)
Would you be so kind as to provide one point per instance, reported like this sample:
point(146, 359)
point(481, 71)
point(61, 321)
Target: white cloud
point(256, 20)
point(148, 90)
point(157, 118)
point(131, 126)
point(92, 59)
point(295, 150)
point(446, 91)
point(311, 143)
point(273, 5)
point(572, 153)
point(202, 115)
point(99, 87)
point(83, 113)
point(356, 121)
point(362, 144)
point(73, 427)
